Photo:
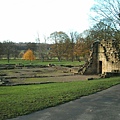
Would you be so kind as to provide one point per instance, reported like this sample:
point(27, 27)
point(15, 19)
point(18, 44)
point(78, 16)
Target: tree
point(38, 45)
point(108, 9)
point(82, 48)
point(73, 37)
point(42, 48)
point(61, 42)
point(83, 44)
point(32, 46)
point(9, 49)
point(102, 30)
point(28, 55)
point(79, 48)
point(1, 50)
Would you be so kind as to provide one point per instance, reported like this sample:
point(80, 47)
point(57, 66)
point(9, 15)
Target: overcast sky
point(21, 20)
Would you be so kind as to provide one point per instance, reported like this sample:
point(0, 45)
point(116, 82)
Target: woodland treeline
point(69, 47)
point(72, 46)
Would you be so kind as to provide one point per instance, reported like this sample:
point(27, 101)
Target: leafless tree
point(73, 37)
point(107, 9)
point(38, 45)
point(9, 49)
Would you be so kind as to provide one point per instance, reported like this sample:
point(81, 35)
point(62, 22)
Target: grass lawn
point(38, 62)
point(20, 100)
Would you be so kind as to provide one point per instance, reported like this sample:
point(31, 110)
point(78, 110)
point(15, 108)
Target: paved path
point(103, 105)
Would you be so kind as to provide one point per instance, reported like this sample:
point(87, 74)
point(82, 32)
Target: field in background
point(38, 62)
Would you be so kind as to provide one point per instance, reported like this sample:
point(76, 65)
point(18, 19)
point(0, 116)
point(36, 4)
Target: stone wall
point(104, 57)
point(109, 55)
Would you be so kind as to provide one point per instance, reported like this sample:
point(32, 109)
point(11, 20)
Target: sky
point(23, 20)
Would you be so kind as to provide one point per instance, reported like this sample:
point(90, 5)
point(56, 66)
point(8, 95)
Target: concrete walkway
point(103, 105)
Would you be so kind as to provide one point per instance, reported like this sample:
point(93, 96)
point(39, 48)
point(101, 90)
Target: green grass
point(38, 62)
point(20, 100)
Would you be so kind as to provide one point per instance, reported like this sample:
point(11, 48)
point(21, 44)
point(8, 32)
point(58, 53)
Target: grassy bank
point(20, 100)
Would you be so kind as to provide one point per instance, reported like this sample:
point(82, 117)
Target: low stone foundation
point(110, 74)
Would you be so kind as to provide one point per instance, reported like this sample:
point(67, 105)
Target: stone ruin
point(104, 59)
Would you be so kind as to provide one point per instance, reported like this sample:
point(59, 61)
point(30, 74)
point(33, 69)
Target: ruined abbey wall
point(104, 58)
point(108, 54)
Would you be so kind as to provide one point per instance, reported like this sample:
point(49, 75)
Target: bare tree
point(8, 49)
point(73, 37)
point(38, 45)
point(101, 31)
point(42, 47)
point(1, 49)
point(108, 9)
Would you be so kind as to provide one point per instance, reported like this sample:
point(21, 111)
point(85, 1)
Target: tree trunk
point(8, 57)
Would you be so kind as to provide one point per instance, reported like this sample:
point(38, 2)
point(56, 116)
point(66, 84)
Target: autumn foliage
point(28, 55)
